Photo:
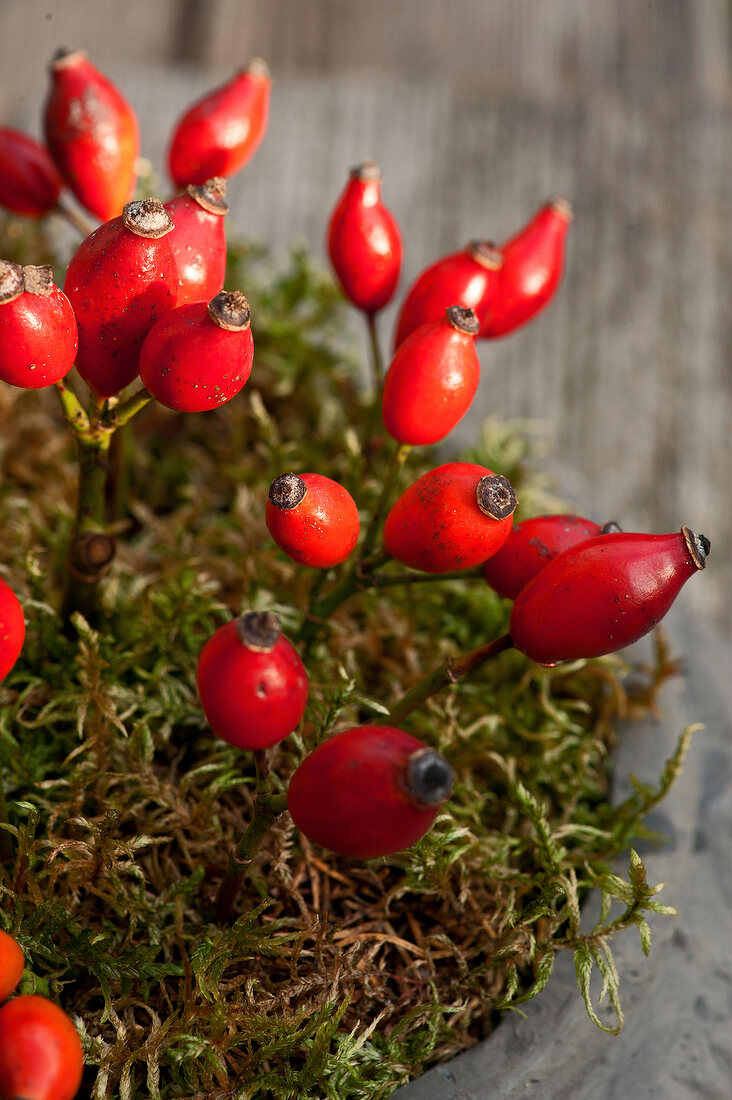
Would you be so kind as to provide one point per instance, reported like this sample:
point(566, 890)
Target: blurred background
point(478, 110)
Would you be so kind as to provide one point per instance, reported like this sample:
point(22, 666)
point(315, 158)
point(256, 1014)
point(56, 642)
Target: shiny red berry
point(198, 240)
point(603, 594)
point(12, 628)
point(453, 517)
point(313, 519)
point(121, 279)
point(364, 243)
point(432, 379)
point(252, 684)
point(219, 133)
point(532, 267)
point(12, 963)
point(199, 356)
point(531, 545)
point(40, 1052)
point(467, 278)
point(92, 134)
point(38, 335)
point(369, 791)
point(29, 182)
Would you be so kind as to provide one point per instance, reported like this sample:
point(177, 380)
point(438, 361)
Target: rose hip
point(29, 182)
point(364, 243)
point(221, 132)
point(12, 628)
point(453, 517)
point(313, 519)
point(38, 334)
point(40, 1051)
point(432, 379)
point(603, 594)
point(12, 964)
point(199, 356)
point(369, 791)
point(198, 240)
point(121, 279)
point(92, 134)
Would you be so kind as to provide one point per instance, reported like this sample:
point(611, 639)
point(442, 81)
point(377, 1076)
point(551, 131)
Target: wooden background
point(477, 110)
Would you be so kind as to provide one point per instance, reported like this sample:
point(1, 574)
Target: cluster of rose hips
point(144, 297)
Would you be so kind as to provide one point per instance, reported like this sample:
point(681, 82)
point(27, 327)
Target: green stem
point(74, 413)
point(267, 808)
point(453, 670)
point(395, 466)
point(118, 415)
point(377, 361)
point(387, 580)
point(91, 548)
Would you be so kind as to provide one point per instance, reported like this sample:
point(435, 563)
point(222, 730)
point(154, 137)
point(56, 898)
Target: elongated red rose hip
point(432, 379)
point(40, 1051)
point(603, 594)
point(38, 335)
point(92, 134)
point(121, 279)
point(532, 267)
point(12, 628)
point(467, 278)
point(198, 240)
point(453, 517)
point(219, 133)
point(364, 242)
point(369, 791)
point(29, 182)
point(531, 545)
point(313, 519)
point(199, 356)
point(252, 684)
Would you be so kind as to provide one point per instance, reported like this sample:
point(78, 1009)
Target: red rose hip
point(12, 628)
point(40, 1052)
point(313, 519)
point(364, 243)
point(92, 134)
point(219, 133)
point(453, 517)
point(38, 334)
point(198, 240)
point(603, 594)
point(252, 684)
point(29, 182)
point(199, 356)
point(12, 964)
point(369, 791)
point(432, 379)
point(121, 279)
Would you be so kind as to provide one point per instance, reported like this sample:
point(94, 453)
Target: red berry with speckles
point(531, 545)
point(12, 628)
point(467, 278)
point(198, 240)
point(432, 379)
point(92, 134)
point(313, 519)
point(29, 182)
point(603, 594)
point(532, 267)
point(40, 1052)
point(121, 279)
point(252, 684)
point(364, 243)
point(200, 355)
point(453, 517)
point(222, 131)
point(369, 791)
point(38, 335)
point(12, 964)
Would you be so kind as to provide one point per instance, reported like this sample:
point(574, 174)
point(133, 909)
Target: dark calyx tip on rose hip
point(258, 67)
point(38, 280)
point(699, 547)
point(366, 170)
point(464, 320)
point(230, 310)
point(610, 528)
point(147, 218)
point(67, 55)
point(429, 778)
point(495, 496)
point(562, 206)
point(210, 195)
point(486, 254)
point(11, 281)
point(286, 491)
point(259, 630)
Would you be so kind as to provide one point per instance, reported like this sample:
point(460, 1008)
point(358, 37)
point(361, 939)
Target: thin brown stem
point(388, 580)
point(79, 223)
point(377, 361)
